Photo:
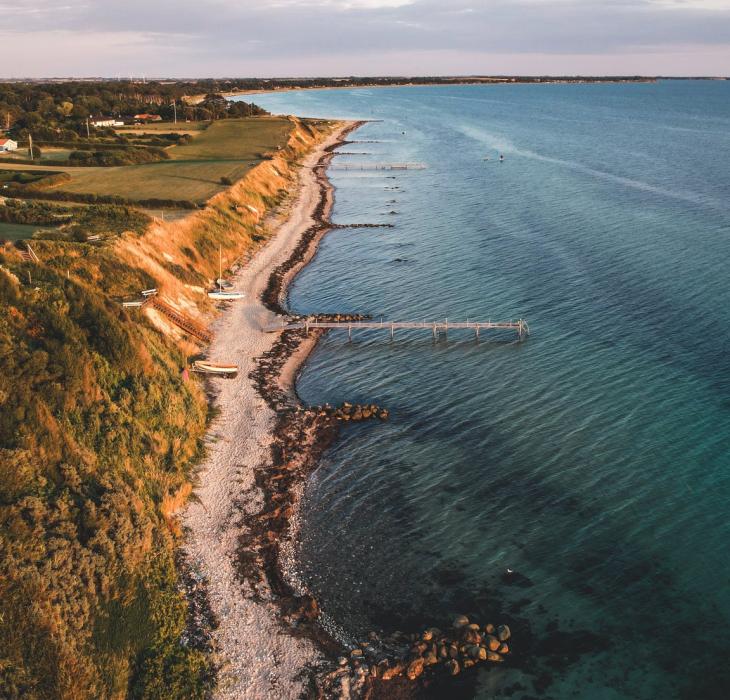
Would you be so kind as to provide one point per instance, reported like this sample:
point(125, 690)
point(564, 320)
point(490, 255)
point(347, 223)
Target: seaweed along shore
point(399, 665)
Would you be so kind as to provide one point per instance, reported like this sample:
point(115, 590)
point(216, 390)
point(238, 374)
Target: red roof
point(3, 141)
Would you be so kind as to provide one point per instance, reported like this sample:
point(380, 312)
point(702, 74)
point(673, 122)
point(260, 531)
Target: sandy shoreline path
point(259, 658)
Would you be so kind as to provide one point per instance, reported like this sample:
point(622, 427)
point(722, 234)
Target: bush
point(226, 181)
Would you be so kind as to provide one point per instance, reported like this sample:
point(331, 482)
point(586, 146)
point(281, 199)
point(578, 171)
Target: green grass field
point(227, 148)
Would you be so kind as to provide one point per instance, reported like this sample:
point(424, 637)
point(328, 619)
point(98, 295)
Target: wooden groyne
point(435, 327)
point(375, 166)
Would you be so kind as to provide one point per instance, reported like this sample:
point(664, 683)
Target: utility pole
point(174, 111)
point(30, 146)
point(88, 136)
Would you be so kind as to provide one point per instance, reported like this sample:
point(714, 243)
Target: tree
point(65, 109)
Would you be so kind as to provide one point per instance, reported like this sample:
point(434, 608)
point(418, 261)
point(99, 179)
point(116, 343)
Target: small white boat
point(205, 367)
point(223, 295)
point(224, 291)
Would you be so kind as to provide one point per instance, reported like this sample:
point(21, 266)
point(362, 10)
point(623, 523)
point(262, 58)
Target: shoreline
point(226, 548)
point(242, 523)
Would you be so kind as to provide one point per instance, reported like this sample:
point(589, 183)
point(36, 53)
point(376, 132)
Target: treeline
point(73, 223)
point(89, 198)
point(58, 111)
point(124, 156)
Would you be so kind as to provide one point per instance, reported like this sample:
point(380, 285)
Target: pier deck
point(519, 326)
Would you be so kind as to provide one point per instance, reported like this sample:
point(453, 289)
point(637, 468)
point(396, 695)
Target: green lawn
point(227, 148)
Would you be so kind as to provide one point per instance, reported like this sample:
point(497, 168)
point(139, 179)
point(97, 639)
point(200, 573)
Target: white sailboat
point(220, 293)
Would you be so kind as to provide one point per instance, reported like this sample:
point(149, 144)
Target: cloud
point(287, 37)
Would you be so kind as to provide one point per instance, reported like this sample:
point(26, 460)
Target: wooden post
point(391, 331)
point(349, 333)
point(477, 327)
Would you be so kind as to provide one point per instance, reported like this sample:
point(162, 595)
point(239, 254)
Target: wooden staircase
point(180, 319)
point(28, 255)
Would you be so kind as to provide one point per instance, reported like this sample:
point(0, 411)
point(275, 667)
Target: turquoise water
point(593, 460)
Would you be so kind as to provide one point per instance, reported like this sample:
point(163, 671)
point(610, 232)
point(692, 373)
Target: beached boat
point(205, 367)
point(223, 295)
point(225, 291)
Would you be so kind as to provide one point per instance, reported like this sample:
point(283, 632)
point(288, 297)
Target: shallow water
point(591, 459)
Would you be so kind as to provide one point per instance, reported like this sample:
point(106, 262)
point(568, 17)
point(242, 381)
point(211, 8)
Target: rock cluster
point(335, 318)
point(418, 656)
point(362, 225)
point(356, 412)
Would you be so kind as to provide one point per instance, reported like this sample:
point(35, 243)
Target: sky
point(296, 38)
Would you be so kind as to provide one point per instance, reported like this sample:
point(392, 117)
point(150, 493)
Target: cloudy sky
point(265, 38)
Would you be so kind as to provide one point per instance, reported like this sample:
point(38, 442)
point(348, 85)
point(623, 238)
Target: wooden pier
point(374, 166)
point(435, 327)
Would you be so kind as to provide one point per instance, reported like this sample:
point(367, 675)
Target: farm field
point(228, 148)
point(181, 127)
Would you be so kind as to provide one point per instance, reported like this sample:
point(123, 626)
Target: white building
point(106, 121)
point(8, 145)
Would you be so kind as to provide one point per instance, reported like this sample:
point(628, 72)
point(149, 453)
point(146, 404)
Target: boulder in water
point(415, 669)
point(460, 621)
point(453, 667)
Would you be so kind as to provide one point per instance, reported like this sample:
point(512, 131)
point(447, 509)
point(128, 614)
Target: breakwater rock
point(331, 318)
point(333, 226)
point(417, 658)
point(353, 412)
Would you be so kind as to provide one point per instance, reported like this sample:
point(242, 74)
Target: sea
point(575, 485)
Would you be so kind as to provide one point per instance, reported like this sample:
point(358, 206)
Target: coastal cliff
point(99, 436)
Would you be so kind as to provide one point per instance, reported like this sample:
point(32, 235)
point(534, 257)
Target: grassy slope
point(98, 436)
point(228, 148)
point(98, 432)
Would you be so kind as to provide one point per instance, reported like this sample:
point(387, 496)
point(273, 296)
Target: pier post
point(349, 333)
point(391, 331)
point(477, 332)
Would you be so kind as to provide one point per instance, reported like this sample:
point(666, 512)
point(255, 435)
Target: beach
point(257, 656)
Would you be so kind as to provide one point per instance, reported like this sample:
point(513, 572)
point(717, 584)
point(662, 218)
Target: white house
point(8, 145)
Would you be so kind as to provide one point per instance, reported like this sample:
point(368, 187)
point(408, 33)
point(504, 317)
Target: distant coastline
point(294, 85)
